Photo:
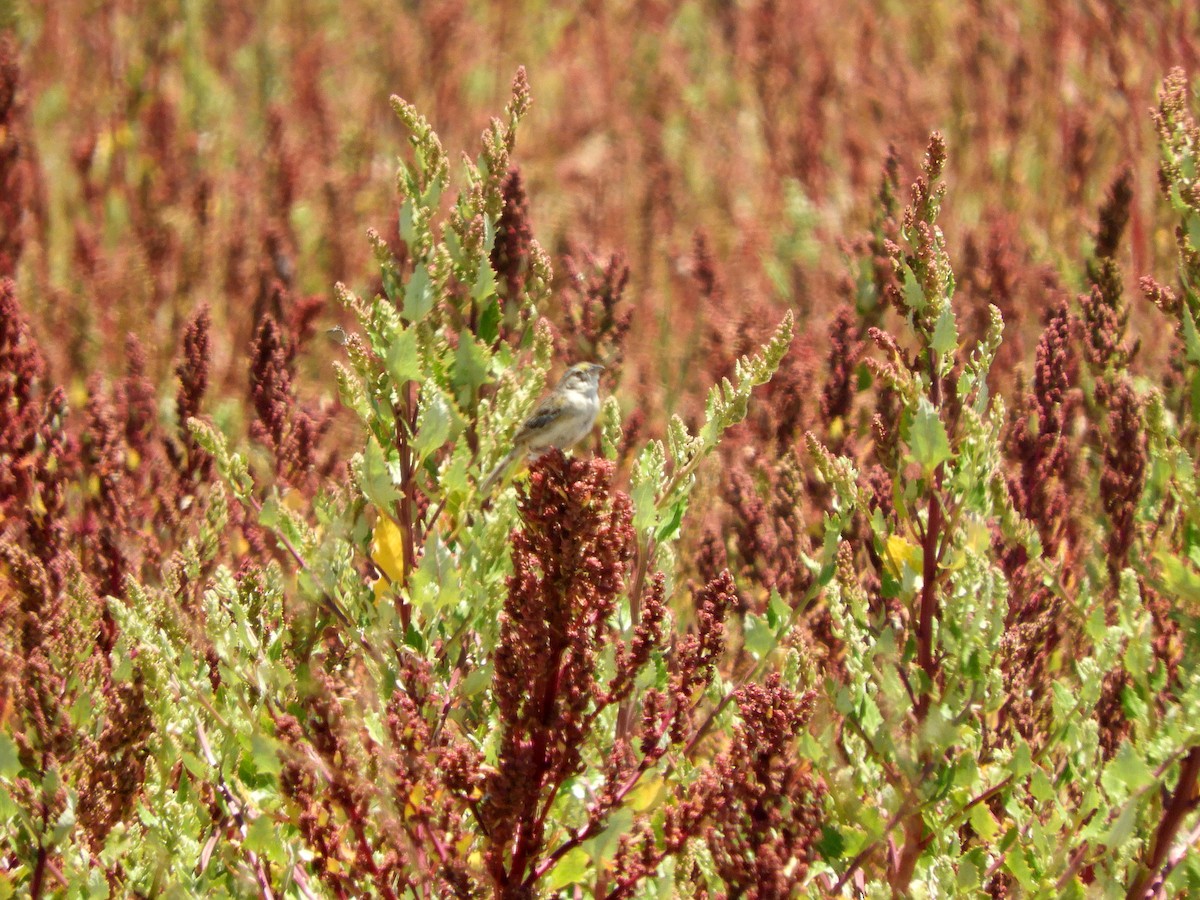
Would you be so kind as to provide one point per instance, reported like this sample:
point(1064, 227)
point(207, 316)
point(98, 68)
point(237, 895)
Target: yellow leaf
point(979, 537)
point(78, 394)
point(380, 588)
point(899, 552)
point(645, 795)
point(388, 548)
point(414, 801)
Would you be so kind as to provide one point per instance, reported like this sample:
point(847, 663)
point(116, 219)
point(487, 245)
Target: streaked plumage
point(564, 418)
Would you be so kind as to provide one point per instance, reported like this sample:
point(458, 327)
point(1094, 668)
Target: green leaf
point(489, 322)
point(83, 710)
point(479, 678)
point(758, 635)
point(914, 294)
point(1179, 578)
point(436, 424)
point(672, 520)
point(470, 366)
point(604, 845)
point(376, 477)
point(945, 333)
point(1121, 830)
point(418, 295)
point(391, 282)
point(10, 763)
point(195, 765)
point(260, 836)
point(406, 222)
point(454, 477)
point(571, 869)
point(1191, 339)
point(403, 360)
point(927, 437)
point(831, 845)
point(1073, 890)
point(984, 822)
point(436, 584)
point(1018, 866)
point(65, 823)
point(967, 877)
point(1193, 230)
point(778, 612)
point(648, 474)
point(1125, 774)
point(268, 516)
point(266, 756)
point(869, 716)
point(1022, 760)
point(1096, 627)
point(485, 280)
point(1040, 786)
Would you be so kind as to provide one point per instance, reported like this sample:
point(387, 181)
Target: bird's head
point(581, 377)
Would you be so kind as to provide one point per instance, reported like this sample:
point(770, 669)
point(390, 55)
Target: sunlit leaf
point(927, 439)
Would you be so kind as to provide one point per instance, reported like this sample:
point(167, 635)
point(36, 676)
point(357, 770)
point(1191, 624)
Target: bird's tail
point(497, 473)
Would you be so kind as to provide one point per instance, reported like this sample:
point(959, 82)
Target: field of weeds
point(877, 576)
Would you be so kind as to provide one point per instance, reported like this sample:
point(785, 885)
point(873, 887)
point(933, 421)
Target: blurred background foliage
point(960, 571)
point(191, 152)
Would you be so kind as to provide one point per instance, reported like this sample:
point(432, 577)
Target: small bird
point(564, 418)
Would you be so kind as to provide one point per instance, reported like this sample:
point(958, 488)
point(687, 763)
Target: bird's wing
point(545, 413)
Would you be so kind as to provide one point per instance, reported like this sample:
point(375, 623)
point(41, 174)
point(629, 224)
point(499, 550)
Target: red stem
point(929, 566)
point(625, 712)
point(406, 421)
point(916, 837)
point(597, 817)
point(1183, 800)
point(915, 841)
point(529, 828)
point(39, 873)
point(929, 601)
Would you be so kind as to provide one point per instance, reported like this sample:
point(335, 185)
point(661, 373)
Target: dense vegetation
point(879, 577)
